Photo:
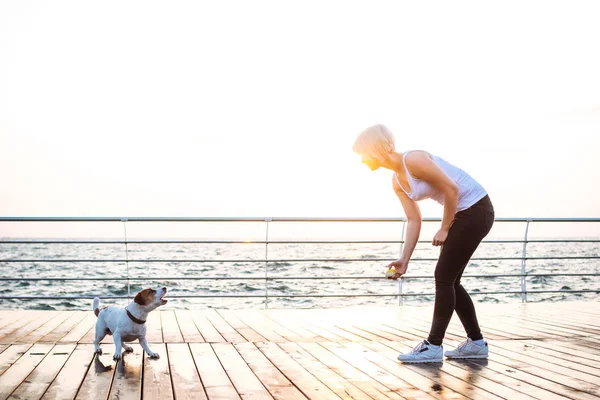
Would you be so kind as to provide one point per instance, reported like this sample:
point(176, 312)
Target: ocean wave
point(277, 270)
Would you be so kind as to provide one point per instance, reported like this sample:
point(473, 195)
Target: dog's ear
point(142, 297)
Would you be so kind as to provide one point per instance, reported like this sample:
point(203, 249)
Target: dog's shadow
point(99, 365)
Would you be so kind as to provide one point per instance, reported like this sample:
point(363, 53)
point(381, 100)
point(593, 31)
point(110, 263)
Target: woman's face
point(372, 163)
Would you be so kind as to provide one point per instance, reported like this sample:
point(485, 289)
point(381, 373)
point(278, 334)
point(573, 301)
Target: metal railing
point(400, 294)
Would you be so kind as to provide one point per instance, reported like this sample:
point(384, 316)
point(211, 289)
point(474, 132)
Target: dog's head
point(150, 298)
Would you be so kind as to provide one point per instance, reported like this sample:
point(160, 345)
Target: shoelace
point(463, 345)
point(419, 346)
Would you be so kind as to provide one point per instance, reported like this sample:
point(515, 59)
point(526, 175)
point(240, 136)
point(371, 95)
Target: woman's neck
point(394, 162)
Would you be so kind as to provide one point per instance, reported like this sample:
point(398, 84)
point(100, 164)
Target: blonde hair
point(375, 142)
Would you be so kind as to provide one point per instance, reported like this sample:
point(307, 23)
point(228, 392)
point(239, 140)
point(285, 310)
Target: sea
point(300, 269)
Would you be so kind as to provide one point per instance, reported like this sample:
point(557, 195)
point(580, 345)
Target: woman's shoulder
point(416, 155)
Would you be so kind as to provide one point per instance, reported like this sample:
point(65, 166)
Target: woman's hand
point(400, 266)
point(440, 237)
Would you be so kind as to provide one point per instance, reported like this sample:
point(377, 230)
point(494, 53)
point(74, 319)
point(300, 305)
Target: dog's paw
point(154, 355)
point(117, 356)
point(129, 349)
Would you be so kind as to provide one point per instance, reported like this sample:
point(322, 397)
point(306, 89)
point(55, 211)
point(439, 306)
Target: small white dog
point(129, 323)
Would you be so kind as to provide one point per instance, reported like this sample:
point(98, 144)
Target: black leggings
point(469, 227)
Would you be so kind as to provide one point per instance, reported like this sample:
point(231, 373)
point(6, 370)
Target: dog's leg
point(118, 345)
point(144, 344)
point(128, 349)
point(100, 334)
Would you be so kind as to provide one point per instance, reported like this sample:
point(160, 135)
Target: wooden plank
point(586, 328)
point(43, 330)
point(325, 329)
point(532, 351)
point(127, 381)
point(367, 384)
point(336, 383)
point(10, 316)
point(3, 347)
point(157, 376)
point(224, 329)
point(510, 378)
point(246, 383)
point(64, 328)
point(564, 318)
point(557, 381)
point(12, 354)
point(91, 334)
point(189, 331)
point(261, 317)
point(154, 328)
point(78, 331)
point(383, 332)
point(362, 333)
point(276, 383)
point(216, 382)
point(537, 329)
point(71, 376)
point(302, 379)
point(323, 334)
point(549, 325)
point(502, 366)
point(207, 330)
point(98, 380)
point(186, 382)
point(587, 343)
point(244, 330)
point(395, 376)
point(42, 376)
point(20, 322)
point(14, 376)
point(567, 348)
point(29, 327)
point(170, 327)
point(260, 325)
point(293, 322)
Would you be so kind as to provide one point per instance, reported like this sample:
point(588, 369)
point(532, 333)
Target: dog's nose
point(164, 288)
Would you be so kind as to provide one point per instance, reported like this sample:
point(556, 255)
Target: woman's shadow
point(473, 368)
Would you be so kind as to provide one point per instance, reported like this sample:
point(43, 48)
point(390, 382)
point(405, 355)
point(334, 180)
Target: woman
point(467, 219)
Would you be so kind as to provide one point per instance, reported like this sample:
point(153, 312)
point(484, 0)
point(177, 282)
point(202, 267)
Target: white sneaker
point(423, 353)
point(469, 349)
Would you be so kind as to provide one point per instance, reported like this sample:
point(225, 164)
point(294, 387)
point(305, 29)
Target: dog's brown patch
point(145, 296)
point(97, 310)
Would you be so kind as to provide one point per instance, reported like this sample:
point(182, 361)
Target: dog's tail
point(96, 306)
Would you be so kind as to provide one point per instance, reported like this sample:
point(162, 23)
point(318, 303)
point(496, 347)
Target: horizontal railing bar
point(275, 241)
point(280, 278)
point(284, 260)
point(274, 295)
point(268, 219)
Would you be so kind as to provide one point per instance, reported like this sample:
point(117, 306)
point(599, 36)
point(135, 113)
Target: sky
point(246, 109)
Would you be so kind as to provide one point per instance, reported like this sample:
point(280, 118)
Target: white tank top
point(469, 190)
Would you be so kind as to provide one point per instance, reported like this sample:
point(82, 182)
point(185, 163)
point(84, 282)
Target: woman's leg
point(468, 229)
point(465, 309)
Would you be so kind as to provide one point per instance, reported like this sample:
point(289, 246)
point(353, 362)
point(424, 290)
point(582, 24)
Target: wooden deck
point(538, 350)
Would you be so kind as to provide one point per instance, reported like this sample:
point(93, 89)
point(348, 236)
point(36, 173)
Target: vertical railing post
point(400, 280)
point(524, 265)
point(124, 220)
point(267, 220)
